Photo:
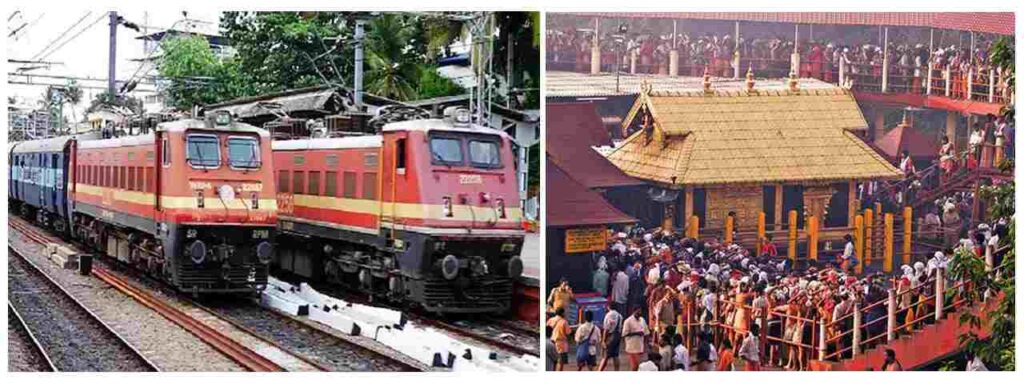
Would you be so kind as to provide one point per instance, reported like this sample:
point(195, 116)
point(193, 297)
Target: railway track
point(330, 351)
point(27, 355)
point(71, 336)
point(313, 347)
point(245, 357)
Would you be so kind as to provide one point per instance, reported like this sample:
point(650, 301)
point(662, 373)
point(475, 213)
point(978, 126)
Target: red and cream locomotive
point(426, 213)
point(192, 203)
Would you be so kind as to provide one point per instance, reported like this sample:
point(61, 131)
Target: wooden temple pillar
point(852, 205)
point(688, 209)
point(778, 207)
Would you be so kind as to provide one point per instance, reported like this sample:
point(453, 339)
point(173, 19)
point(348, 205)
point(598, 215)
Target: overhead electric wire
point(73, 37)
point(62, 34)
point(25, 27)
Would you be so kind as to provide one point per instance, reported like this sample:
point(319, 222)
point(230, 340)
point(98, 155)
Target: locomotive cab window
point(203, 151)
point(484, 153)
point(446, 150)
point(244, 152)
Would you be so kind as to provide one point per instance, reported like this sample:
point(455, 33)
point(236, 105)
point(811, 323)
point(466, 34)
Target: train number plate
point(471, 179)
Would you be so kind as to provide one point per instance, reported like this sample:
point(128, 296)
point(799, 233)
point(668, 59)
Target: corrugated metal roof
point(735, 137)
point(573, 84)
point(570, 204)
point(571, 130)
point(1001, 23)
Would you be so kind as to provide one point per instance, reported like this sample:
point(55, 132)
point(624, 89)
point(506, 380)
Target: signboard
point(589, 239)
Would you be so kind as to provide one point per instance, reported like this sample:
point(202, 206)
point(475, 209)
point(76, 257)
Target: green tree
point(195, 75)
point(997, 350)
point(105, 99)
point(286, 50)
point(393, 70)
point(518, 34)
point(431, 85)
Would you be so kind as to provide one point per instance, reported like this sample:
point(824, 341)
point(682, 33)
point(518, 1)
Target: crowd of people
point(772, 56)
point(677, 303)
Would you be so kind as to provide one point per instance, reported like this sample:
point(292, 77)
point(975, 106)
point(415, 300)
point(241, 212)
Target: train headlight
point(197, 251)
point(264, 252)
point(499, 204)
point(226, 192)
point(515, 267)
point(446, 207)
point(200, 199)
point(255, 200)
point(450, 267)
point(485, 197)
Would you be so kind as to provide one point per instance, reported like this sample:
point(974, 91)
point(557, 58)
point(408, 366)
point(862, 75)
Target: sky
point(86, 55)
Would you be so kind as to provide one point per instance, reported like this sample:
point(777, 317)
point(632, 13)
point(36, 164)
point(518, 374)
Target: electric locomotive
point(425, 213)
point(191, 203)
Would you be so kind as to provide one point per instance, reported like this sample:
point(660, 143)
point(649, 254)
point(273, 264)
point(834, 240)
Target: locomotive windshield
point(446, 150)
point(243, 152)
point(484, 153)
point(203, 151)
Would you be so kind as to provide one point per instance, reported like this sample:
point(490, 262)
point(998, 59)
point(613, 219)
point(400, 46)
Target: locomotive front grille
point(490, 294)
point(213, 277)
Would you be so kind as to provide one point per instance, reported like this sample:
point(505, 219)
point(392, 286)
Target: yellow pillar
point(887, 260)
point(728, 229)
point(908, 226)
point(812, 238)
point(858, 243)
point(761, 219)
point(669, 216)
point(792, 234)
point(869, 227)
point(694, 227)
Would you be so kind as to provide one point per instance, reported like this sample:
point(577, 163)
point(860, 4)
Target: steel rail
point(242, 355)
point(35, 341)
point(92, 315)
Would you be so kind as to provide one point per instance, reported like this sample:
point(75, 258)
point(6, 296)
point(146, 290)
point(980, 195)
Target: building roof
point(571, 131)
point(905, 137)
point(570, 204)
point(574, 84)
point(725, 137)
point(1001, 23)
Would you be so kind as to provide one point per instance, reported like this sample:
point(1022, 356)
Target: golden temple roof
point(735, 136)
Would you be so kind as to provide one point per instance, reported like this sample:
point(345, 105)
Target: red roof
point(905, 137)
point(571, 130)
point(570, 204)
point(1001, 23)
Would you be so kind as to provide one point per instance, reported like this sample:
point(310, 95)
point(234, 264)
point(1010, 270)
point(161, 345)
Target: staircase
point(918, 348)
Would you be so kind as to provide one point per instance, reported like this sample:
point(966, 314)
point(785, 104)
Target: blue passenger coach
point(38, 180)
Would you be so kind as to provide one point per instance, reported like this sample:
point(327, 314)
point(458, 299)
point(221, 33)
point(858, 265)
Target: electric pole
point(112, 55)
point(357, 88)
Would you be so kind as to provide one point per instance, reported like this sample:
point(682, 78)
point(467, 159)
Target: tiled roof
point(766, 136)
point(573, 84)
point(571, 130)
point(988, 22)
point(570, 204)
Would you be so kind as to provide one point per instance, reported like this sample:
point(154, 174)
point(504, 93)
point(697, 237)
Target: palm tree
point(393, 71)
